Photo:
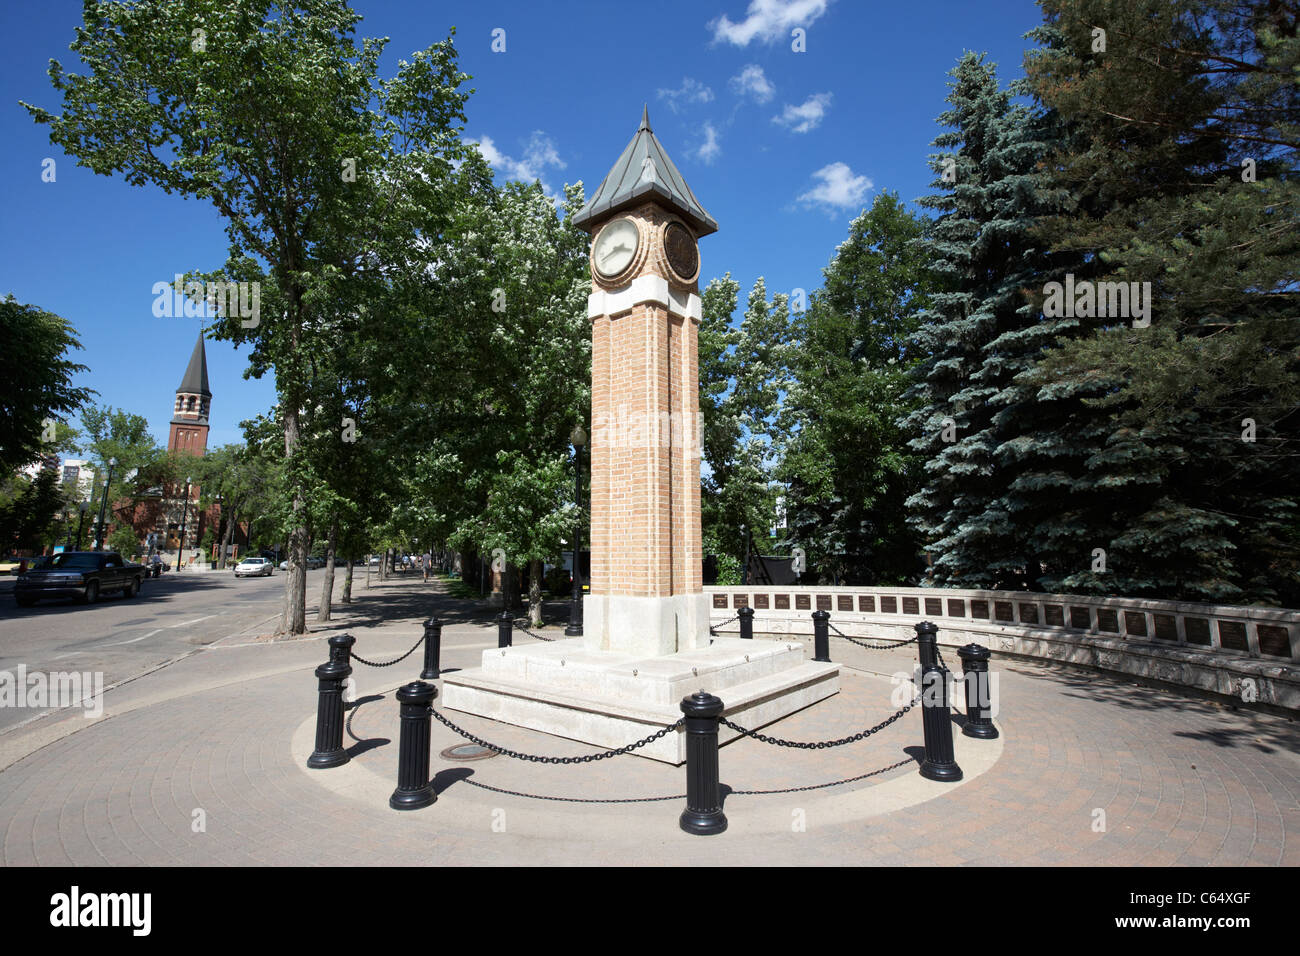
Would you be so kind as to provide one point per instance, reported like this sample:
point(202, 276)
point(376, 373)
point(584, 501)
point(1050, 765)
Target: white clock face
point(615, 246)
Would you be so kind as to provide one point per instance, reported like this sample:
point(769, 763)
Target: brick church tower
point(646, 551)
point(189, 425)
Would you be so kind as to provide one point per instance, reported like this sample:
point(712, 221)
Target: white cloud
point(539, 155)
point(691, 91)
point(710, 149)
point(753, 82)
point(808, 115)
point(837, 188)
point(767, 21)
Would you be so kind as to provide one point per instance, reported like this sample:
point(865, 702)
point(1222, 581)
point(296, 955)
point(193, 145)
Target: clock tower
point(646, 586)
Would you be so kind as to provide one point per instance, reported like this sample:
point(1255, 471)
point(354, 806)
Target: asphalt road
point(121, 638)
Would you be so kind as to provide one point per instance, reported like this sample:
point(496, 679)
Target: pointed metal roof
point(644, 172)
point(195, 381)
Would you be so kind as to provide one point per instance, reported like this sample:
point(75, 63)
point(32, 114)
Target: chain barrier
point(589, 758)
point(819, 744)
point(869, 646)
point(713, 628)
point(361, 660)
point(823, 786)
point(520, 627)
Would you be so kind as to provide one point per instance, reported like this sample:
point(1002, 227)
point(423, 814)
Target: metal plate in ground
point(467, 752)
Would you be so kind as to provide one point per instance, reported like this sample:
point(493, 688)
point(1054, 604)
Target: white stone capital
point(649, 288)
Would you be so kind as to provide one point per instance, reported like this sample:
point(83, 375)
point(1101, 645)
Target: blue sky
point(783, 148)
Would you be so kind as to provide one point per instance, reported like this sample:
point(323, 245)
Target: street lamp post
point(103, 500)
point(579, 438)
point(83, 507)
point(185, 511)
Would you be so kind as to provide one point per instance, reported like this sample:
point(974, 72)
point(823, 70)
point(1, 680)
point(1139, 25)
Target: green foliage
point(37, 380)
point(122, 539)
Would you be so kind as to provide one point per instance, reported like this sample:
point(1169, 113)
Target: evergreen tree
point(845, 462)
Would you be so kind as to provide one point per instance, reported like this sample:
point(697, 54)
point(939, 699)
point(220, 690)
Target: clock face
point(615, 246)
point(683, 254)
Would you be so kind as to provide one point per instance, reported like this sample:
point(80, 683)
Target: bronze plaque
point(911, 605)
point(844, 602)
point(1135, 622)
point(1107, 620)
point(802, 602)
point(934, 607)
point(1198, 630)
point(889, 605)
point(823, 602)
point(760, 601)
point(1166, 627)
point(683, 255)
point(719, 600)
point(867, 603)
point(1054, 614)
point(1003, 611)
point(1028, 613)
point(783, 602)
point(740, 600)
point(979, 609)
point(1232, 636)
point(956, 608)
point(1081, 617)
point(1274, 640)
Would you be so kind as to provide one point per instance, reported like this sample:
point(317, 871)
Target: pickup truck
point(80, 574)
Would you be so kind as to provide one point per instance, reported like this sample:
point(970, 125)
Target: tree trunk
point(535, 593)
point(327, 588)
point(347, 585)
point(230, 536)
point(294, 618)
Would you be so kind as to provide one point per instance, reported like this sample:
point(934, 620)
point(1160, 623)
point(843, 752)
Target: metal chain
point(536, 759)
point(872, 647)
point(541, 796)
point(713, 628)
point(520, 627)
point(362, 660)
point(823, 786)
point(819, 744)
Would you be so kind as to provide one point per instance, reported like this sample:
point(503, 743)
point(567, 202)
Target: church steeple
point(189, 424)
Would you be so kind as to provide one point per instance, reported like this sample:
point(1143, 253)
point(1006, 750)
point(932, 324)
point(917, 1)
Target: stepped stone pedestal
point(611, 699)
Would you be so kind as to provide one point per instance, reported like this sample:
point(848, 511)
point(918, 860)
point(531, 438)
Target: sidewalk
point(222, 737)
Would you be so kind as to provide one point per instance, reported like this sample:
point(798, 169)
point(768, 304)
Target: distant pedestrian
point(428, 563)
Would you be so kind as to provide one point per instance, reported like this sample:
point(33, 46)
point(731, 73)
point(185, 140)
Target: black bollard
point(979, 700)
point(703, 814)
point(821, 636)
point(413, 787)
point(505, 628)
point(940, 761)
point(746, 623)
point(329, 750)
point(432, 649)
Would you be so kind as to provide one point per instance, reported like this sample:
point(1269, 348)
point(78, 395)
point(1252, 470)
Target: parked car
point(314, 562)
point(253, 567)
point(80, 574)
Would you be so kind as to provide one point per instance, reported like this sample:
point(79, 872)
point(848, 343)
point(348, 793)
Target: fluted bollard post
point(703, 814)
point(821, 636)
point(940, 762)
point(432, 649)
point(979, 692)
point(414, 790)
point(746, 623)
point(505, 629)
point(329, 750)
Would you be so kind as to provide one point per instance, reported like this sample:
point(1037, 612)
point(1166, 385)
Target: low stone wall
point(1247, 653)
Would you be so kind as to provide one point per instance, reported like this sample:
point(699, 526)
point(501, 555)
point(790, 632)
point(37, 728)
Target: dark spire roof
point(195, 381)
point(644, 172)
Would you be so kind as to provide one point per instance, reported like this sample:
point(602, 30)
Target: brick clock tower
point(646, 641)
point(646, 578)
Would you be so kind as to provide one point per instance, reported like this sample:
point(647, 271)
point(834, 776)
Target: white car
point(254, 566)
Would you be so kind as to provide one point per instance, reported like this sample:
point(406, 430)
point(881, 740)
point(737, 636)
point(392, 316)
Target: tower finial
point(645, 118)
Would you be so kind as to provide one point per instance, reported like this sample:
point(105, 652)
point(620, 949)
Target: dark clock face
point(679, 246)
